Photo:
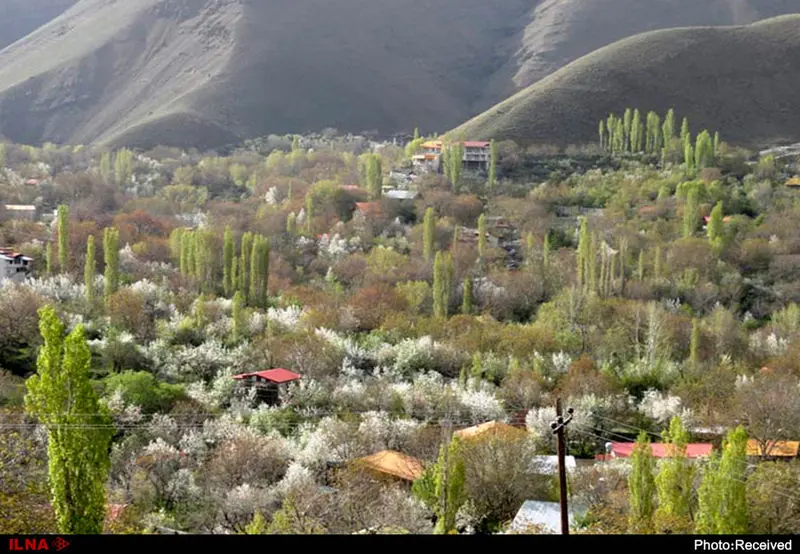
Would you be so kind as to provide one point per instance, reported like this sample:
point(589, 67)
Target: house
point(20, 211)
point(392, 465)
point(542, 517)
point(773, 449)
point(659, 450)
point(476, 155)
point(268, 382)
point(368, 208)
point(13, 265)
point(400, 194)
point(491, 429)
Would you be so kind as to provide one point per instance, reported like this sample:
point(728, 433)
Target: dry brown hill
point(741, 80)
point(207, 72)
point(20, 17)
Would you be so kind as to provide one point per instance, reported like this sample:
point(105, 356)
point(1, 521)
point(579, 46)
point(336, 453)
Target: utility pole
point(558, 429)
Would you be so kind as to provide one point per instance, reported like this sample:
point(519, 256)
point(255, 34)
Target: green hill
point(740, 80)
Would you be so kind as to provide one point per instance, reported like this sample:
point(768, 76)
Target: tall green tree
point(466, 299)
point(79, 428)
point(716, 143)
point(492, 165)
point(111, 256)
point(439, 291)
point(291, 224)
point(48, 258)
point(428, 234)
point(449, 275)
point(685, 132)
point(245, 248)
point(675, 479)
point(694, 344)
point(228, 259)
point(455, 162)
point(688, 157)
point(668, 128)
point(691, 213)
point(89, 270)
point(482, 235)
point(704, 151)
point(715, 224)
point(123, 166)
point(309, 214)
point(63, 238)
point(105, 166)
point(641, 486)
point(584, 245)
point(654, 133)
point(442, 487)
point(601, 130)
point(722, 502)
point(374, 177)
point(636, 136)
point(627, 123)
point(239, 322)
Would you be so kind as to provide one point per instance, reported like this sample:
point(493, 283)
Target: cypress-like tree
point(694, 344)
point(89, 269)
point(601, 130)
point(691, 213)
point(79, 428)
point(627, 120)
point(48, 258)
point(685, 132)
point(688, 157)
point(675, 478)
point(63, 238)
point(546, 250)
point(309, 214)
point(228, 255)
point(482, 235)
point(619, 137)
point(238, 316)
point(442, 487)
point(704, 151)
point(716, 143)
point(455, 159)
point(640, 266)
point(428, 234)
point(636, 136)
point(374, 177)
point(668, 127)
point(449, 275)
point(246, 248)
point(591, 261)
point(715, 224)
point(439, 279)
point(123, 166)
point(185, 252)
point(466, 300)
point(111, 255)
point(492, 165)
point(584, 245)
point(641, 486)
point(722, 500)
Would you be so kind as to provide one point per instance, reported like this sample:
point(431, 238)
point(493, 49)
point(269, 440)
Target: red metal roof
point(661, 450)
point(278, 375)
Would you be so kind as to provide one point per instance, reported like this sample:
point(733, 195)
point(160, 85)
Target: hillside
point(741, 80)
point(561, 31)
point(207, 72)
point(20, 17)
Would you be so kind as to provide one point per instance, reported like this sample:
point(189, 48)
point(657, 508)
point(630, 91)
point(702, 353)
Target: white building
point(14, 265)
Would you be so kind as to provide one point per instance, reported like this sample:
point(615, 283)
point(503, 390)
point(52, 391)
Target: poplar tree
point(584, 240)
point(636, 137)
point(641, 486)
point(640, 266)
point(449, 275)
point(48, 258)
point(439, 286)
point(374, 177)
point(546, 250)
point(79, 428)
point(89, 269)
point(704, 151)
point(442, 487)
point(691, 212)
point(601, 130)
point(493, 165)
point(105, 166)
point(228, 253)
point(675, 478)
point(428, 234)
point(668, 127)
point(291, 224)
point(716, 143)
point(466, 301)
point(455, 161)
point(688, 157)
point(246, 248)
point(309, 214)
point(722, 501)
point(685, 133)
point(591, 260)
point(694, 344)
point(239, 322)
point(185, 253)
point(123, 166)
point(111, 256)
point(715, 224)
point(63, 237)
point(176, 244)
point(627, 119)
point(481, 235)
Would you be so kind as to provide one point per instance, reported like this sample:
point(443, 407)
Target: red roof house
point(268, 381)
point(659, 450)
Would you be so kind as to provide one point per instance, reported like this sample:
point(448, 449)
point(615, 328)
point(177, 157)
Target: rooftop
point(278, 375)
point(394, 463)
point(546, 515)
point(661, 450)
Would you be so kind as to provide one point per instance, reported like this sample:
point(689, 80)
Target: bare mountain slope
point(20, 17)
point(741, 80)
point(207, 72)
point(562, 31)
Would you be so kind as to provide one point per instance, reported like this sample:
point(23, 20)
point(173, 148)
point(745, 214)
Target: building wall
point(13, 271)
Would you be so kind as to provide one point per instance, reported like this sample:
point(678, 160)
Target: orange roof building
point(393, 464)
point(491, 429)
point(781, 449)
